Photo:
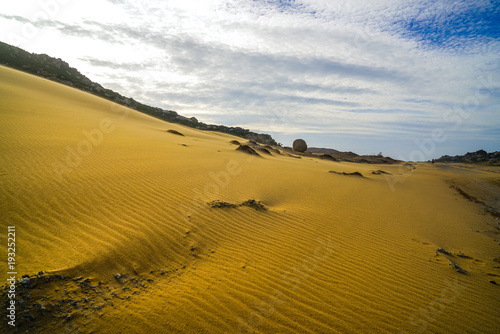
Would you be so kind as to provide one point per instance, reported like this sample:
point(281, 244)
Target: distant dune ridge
point(123, 227)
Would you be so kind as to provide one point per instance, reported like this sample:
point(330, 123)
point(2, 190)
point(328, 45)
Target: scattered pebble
point(457, 268)
point(441, 250)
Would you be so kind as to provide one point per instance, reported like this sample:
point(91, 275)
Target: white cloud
point(317, 66)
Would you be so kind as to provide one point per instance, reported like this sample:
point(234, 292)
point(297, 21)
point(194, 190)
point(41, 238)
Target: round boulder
point(299, 145)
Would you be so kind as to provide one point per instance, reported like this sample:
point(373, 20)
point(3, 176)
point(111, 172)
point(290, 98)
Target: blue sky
point(362, 76)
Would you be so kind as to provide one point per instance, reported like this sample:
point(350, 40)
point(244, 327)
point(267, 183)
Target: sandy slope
point(95, 190)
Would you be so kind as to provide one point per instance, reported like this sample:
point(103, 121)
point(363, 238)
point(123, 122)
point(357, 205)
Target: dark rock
point(299, 145)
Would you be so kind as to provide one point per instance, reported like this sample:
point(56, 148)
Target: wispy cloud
point(388, 68)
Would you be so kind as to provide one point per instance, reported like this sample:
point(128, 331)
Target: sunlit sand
point(112, 207)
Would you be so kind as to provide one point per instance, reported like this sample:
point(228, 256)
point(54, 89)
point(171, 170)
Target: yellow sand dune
point(113, 208)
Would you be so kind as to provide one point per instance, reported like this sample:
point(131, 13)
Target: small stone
point(40, 273)
point(25, 280)
point(118, 276)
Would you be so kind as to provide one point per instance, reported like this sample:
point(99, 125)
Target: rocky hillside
point(58, 70)
point(480, 156)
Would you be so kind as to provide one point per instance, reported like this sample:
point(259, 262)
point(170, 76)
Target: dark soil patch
point(441, 250)
point(263, 150)
point(488, 209)
point(272, 149)
point(175, 132)
point(457, 268)
point(220, 204)
point(463, 256)
point(348, 174)
point(257, 205)
point(247, 149)
point(465, 195)
point(327, 157)
point(379, 172)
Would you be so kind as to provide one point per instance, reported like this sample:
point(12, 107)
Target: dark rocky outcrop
point(480, 156)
